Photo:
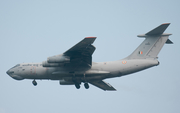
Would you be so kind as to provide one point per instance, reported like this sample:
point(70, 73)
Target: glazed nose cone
point(9, 72)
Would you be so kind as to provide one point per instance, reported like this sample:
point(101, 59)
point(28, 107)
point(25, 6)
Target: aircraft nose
point(9, 72)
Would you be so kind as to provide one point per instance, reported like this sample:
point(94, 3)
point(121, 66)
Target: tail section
point(153, 43)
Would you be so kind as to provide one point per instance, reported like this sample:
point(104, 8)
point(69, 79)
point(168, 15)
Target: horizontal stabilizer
point(169, 41)
point(158, 30)
point(103, 85)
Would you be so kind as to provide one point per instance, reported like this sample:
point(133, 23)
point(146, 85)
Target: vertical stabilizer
point(153, 43)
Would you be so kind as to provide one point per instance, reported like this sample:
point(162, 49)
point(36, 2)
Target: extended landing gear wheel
point(34, 82)
point(77, 86)
point(86, 85)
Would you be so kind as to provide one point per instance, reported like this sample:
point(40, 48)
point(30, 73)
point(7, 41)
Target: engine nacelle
point(63, 82)
point(58, 59)
point(46, 64)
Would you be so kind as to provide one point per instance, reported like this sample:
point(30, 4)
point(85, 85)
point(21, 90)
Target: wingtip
point(90, 37)
point(166, 23)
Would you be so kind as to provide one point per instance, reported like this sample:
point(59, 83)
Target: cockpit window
point(16, 65)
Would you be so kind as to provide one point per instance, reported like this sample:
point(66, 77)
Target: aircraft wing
point(81, 53)
point(103, 85)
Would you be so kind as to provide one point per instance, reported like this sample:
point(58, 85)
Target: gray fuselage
point(98, 71)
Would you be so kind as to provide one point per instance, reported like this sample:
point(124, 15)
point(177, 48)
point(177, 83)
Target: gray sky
point(31, 31)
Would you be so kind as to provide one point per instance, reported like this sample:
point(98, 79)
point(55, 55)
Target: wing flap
point(103, 85)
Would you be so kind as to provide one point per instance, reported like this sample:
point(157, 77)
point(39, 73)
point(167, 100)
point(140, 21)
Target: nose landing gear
point(34, 82)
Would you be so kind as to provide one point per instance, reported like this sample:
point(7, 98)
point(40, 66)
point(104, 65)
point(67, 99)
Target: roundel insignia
point(140, 52)
point(124, 62)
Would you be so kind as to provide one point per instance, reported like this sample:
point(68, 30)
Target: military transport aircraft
point(75, 66)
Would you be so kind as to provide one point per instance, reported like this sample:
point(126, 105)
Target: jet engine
point(46, 64)
point(58, 59)
point(63, 82)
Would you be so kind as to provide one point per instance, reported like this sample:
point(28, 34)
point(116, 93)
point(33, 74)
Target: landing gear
point(86, 85)
point(34, 82)
point(77, 86)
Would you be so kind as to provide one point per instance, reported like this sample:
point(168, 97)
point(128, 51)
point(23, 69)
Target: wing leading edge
point(81, 46)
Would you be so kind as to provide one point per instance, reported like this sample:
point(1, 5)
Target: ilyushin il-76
point(75, 65)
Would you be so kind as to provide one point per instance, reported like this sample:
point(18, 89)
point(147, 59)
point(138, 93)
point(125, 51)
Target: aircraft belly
point(78, 76)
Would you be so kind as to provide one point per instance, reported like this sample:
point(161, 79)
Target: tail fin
point(151, 46)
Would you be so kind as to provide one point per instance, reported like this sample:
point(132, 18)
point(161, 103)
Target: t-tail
point(153, 43)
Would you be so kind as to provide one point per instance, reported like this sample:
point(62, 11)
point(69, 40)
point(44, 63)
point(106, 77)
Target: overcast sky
point(32, 30)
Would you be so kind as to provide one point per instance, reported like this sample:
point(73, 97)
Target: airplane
point(75, 65)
